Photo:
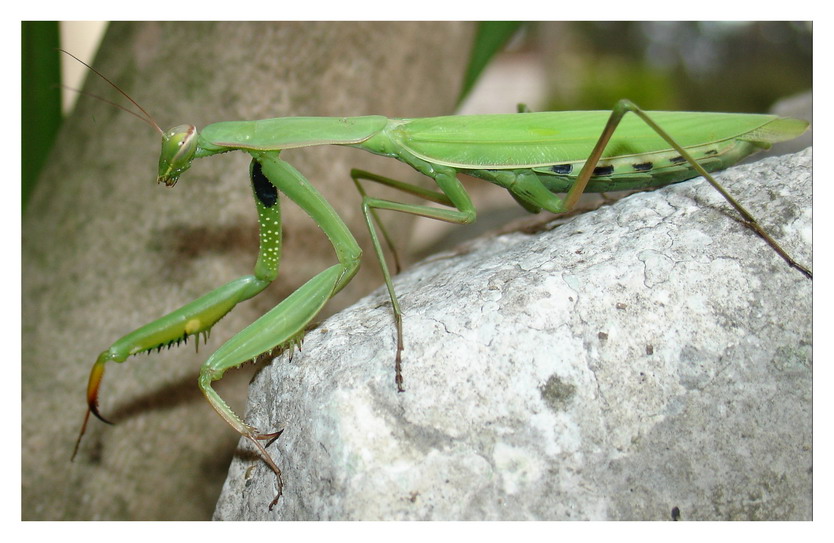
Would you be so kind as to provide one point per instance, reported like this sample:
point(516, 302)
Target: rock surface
point(649, 355)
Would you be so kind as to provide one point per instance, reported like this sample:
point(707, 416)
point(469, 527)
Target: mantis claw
point(94, 410)
point(92, 399)
point(96, 375)
point(254, 438)
point(274, 502)
point(270, 438)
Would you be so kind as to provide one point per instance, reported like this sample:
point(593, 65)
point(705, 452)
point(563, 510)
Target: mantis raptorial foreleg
point(285, 323)
point(199, 316)
point(281, 327)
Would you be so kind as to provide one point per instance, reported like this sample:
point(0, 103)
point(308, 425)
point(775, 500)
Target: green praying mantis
point(534, 156)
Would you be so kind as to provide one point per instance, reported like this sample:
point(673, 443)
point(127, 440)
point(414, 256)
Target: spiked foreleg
point(199, 316)
point(283, 325)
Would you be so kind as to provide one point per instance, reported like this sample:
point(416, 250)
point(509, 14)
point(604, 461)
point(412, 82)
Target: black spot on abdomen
point(603, 170)
point(562, 169)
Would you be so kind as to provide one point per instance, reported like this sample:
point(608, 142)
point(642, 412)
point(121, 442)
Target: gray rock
point(648, 355)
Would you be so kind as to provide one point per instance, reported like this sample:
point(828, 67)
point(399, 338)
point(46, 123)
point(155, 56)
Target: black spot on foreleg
point(264, 189)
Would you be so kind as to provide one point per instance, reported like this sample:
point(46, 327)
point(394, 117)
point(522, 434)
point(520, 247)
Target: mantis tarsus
point(532, 155)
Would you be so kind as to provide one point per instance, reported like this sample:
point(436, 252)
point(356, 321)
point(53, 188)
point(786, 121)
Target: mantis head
point(178, 147)
point(179, 144)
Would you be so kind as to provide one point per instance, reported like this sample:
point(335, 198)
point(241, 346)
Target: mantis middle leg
point(452, 194)
point(620, 109)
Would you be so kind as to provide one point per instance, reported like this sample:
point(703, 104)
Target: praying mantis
point(535, 156)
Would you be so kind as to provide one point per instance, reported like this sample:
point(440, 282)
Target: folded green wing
point(525, 140)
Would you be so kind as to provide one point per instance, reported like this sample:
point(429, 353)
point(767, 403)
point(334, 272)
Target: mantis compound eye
point(178, 147)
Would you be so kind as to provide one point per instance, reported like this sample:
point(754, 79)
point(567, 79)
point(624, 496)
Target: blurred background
point(701, 66)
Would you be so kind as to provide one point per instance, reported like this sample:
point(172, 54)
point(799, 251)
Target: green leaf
point(41, 104)
point(490, 38)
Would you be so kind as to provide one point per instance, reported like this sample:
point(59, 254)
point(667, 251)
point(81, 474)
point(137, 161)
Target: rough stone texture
point(648, 355)
point(105, 250)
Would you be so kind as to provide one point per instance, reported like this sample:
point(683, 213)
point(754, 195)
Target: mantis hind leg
point(620, 109)
point(451, 194)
